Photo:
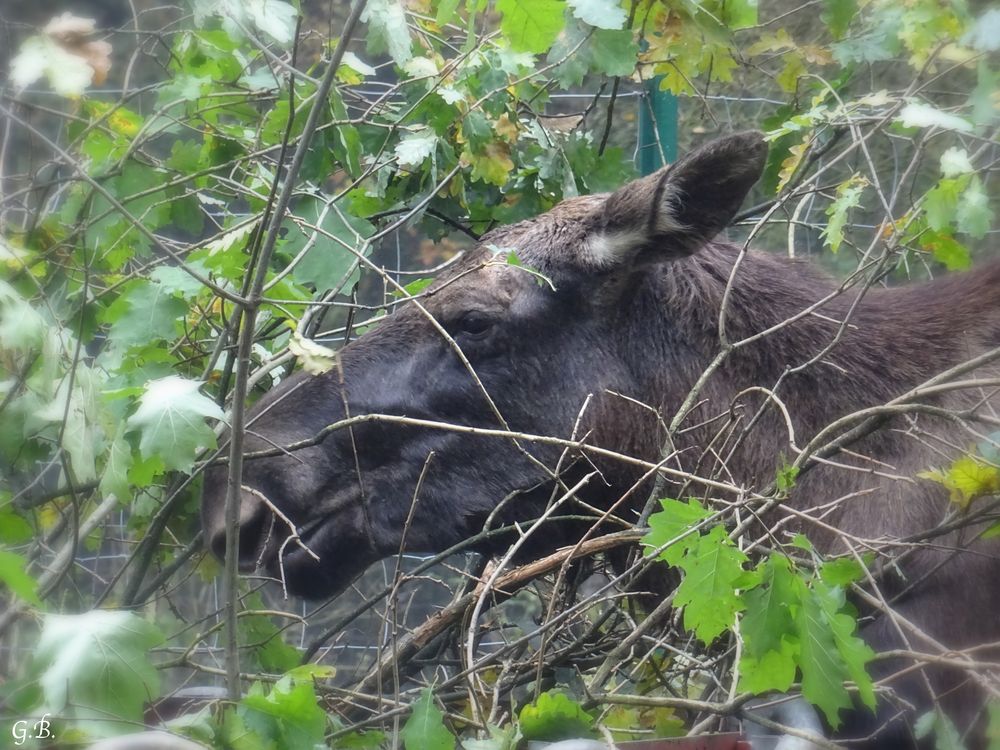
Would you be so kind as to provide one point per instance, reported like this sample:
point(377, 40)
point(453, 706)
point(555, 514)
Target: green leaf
point(94, 669)
point(176, 280)
point(993, 724)
point(531, 25)
point(554, 717)
point(793, 69)
point(14, 576)
point(347, 145)
point(183, 88)
point(613, 53)
point(801, 541)
point(78, 436)
point(670, 523)
point(152, 208)
point(974, 216)
point(841, 572)
point(186, 214)
point(936, 724)
point(848, 197)
point(142, 472)
point(881, 42)
point(773, 671)
point(831, 653)
point(768, 617)
point(415, 147)
point(571, 53)
point(114, 478)
point(920, 115)
point(387, 30)
point(275, 18)
point(328, 263)
point(946, 249)
point(414, 287)
point(941, 202)
point(425, 729)
point(982, 97)
point(199, 725)
point(955, 161)
point(822, 671)
point(13, 528)
point(606, 172)
point(263, 639)
point(476, 130)
point(837, 15)
point(171, 421)
point(713, 571)
point(493, 165)
point(146, 310)
point(446, 12)
point(235, 733)
point(967, 478)
point(739, 14)
point(603, 14)
point(855, 653)
point(276, 124)
point(21, 326)
point(370, 740)
point(234, 239)
point(784, 478)
point(289, 716)
point(312, 671)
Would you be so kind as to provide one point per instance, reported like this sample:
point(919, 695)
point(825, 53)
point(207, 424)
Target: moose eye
point(474, 324)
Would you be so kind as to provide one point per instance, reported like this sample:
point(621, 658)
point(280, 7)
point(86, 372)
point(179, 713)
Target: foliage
point(132, 224)
point(170, 420)
point(937, 725)
point(553, 717)
point(16, 579)
point(849, 195)
point(794, 619)
point(94, 669)
point(425, 730)
point(967, 478)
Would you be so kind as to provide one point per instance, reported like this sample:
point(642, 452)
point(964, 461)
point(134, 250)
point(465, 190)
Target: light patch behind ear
point(675, 211)
point(607, 248)
point(615, 243)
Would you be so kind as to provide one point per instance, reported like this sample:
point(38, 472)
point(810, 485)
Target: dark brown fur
point(639, 288)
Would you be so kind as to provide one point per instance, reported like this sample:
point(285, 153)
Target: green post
point(657, 128)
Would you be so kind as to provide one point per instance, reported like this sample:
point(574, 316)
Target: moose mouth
point(322, 559)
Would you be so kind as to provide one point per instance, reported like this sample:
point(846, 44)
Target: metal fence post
point(657, 128)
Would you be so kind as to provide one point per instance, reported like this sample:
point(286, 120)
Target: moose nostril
point(253, 534)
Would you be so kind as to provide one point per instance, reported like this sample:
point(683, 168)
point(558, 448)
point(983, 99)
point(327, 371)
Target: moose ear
point(672, 213)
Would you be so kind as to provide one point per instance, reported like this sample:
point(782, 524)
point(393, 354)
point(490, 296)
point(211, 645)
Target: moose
point(617, 307)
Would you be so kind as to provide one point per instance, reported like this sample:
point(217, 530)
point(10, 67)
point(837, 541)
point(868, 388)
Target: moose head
point(411, 442)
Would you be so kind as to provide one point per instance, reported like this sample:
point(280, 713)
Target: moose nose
point(253, 532)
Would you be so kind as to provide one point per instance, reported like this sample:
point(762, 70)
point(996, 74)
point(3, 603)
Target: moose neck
point(820, 367)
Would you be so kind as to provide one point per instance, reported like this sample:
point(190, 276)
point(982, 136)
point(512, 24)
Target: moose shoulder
point(606, 355)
